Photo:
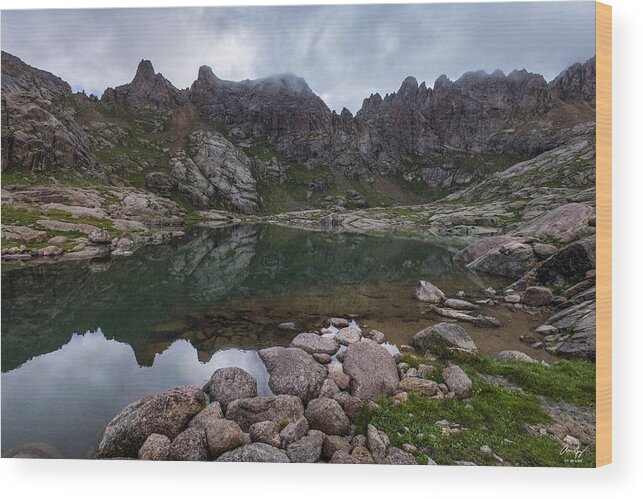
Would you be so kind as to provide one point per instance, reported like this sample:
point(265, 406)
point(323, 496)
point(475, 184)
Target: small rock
point(223, 435)
point(409, 448)
point(429, 293)
point(322, 358)
point(328, 389)
point(443, 337)
point(537, 296)
point(376, 336)
point(351, 405)
point(424, 370)
point(155, 448)
point(486, 449)
point(378, 443)
point(190, 445)
point(58, 240)
point(255, 453)
point(328, 416)
point(348, 335)
point(514, 355)
point(399, 457)
point(100, 237)
point(265, 432)
point(287, 326)
point(486, 321)
point(338, 322)
point(412, 372)
point(50, 251)
point(459, 304)
point(334, 443)
point(315, 344)
point(293, 431)
point(307, 449)
point(336, 373)
point(419, 385)
point(545, 250)
point(343, 457)
point(515, 298)
point(362, 455)
point(457, 381)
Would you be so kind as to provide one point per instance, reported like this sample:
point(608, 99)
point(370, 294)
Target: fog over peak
point(343, 52)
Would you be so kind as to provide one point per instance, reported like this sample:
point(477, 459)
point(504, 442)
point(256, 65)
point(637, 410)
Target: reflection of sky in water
point(66, 397)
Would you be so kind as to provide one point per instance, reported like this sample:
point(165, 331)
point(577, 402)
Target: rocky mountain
point(272, 144)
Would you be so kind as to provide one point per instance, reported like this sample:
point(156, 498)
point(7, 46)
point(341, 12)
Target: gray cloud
point(344, 52)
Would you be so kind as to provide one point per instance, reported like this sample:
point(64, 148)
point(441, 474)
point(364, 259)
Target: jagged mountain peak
point(145, 71)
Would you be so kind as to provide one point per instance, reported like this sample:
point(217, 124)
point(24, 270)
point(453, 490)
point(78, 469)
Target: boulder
point(337, 375)
point(481, 247)
point(223, 435)
point(190, 445)
point(329, 389)
point(265, 432)
point(362, 455)
point(457, 381)
point(348, 335)
point(569, 265)
point(334, 443)
point(537, 296)
point(399, 457)
point(294, 430)
point(246, 412)
point(427, 292)
point(343, 457)
point(443, 337)
point(155, 448)
point(166, 413)
point(293, 372)
point(328, 416)
point(513, 355)
point(211, 411)
point(255, 453)
point(231, 383)
point(314, 344)
point(458, 304)
point(378, 443)
point(565, 223)
point(372, 370)
point(307, 449)
point(419, 385)
point(511, 260)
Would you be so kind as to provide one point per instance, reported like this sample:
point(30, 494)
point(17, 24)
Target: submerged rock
point(443, 337)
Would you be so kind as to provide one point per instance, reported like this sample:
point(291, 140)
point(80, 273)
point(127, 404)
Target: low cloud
point(344, 52)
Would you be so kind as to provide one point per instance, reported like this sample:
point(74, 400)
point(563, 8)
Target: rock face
point(231, 383)
point(246, 412)
point(213, 173)
point(255, 453)
point(293, 372)
point(327, 416)
point(372, 370)
point(166, 413)
point(443, 337)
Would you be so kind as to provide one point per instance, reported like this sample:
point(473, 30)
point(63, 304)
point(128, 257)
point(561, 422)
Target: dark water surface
point(80, 340)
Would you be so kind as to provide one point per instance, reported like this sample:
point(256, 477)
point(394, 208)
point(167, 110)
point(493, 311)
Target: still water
point(80, 340)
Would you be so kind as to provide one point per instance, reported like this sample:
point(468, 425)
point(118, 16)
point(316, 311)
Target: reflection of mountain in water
point(66, 397)
point(164, 292)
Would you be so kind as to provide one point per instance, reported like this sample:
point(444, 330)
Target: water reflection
point(65, 398)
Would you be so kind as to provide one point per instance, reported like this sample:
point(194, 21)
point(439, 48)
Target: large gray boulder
point(427, 292)
point(328, 416)
point(293, 372)
point(231, 383)
point(246, 412)
point(166, 413)
point(313, 343)
point(255, 453)
point(443, 337)
point(372, 370)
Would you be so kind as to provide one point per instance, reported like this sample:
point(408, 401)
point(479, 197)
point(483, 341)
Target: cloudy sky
point(344, 52)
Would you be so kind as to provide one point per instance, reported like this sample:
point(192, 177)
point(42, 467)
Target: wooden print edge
point(603, 234)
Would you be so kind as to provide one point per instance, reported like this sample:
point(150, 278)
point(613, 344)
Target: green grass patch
point(495, 416)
